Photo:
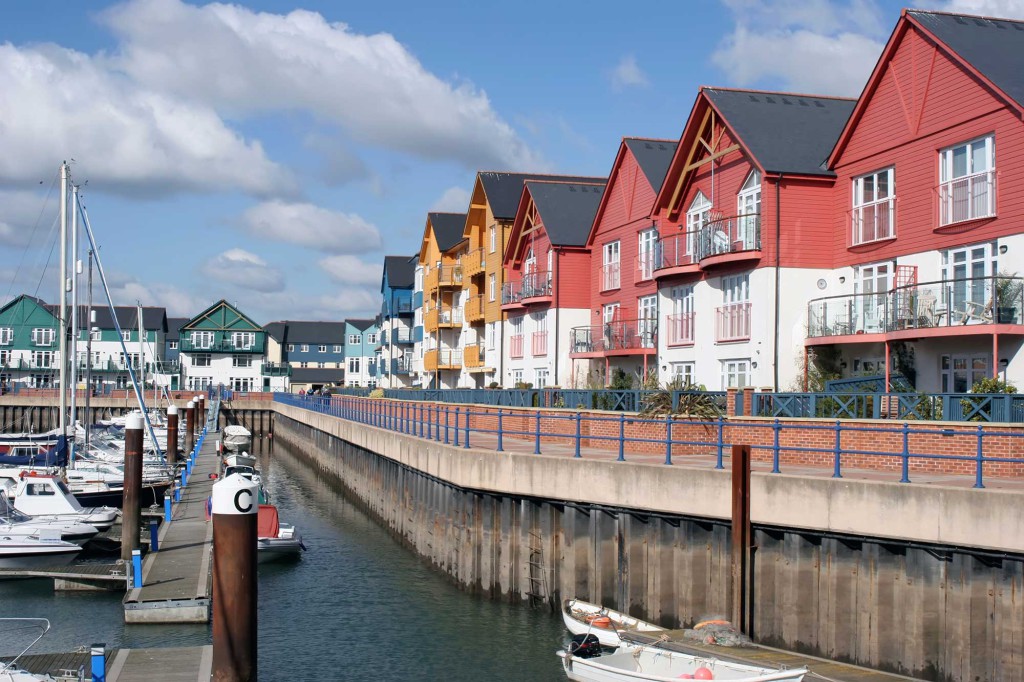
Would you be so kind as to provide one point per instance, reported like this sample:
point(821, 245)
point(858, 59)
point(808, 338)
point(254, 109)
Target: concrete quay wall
point(920, 580)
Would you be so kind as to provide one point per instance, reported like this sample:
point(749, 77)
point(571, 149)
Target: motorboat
point(582, 618)
point(99, 494)
point(276, 541)
point(236, 438)
point(43, 548)
point(243, 459)
point(651, 664)
point(9, 670)
point(15, 525)
point(47, 497)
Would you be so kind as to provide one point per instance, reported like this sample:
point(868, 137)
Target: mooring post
point(202, 412)
point(741, 538)
point(131, 516)
point(190, 426)
point(154, 532)
point(235, 514)
point(136, 567)
point(98, 656)
point(167, 508)
point(172, 436)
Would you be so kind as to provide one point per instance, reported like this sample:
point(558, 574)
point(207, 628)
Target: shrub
point(376, 393)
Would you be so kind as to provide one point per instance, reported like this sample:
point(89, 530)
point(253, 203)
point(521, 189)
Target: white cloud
point(351, 270)
point(454, 200)
point(24, 218)
point(312, 226)
point(1005, 9)
point(126, 289)
point(815, 46)
point(61, 104)
point(627, 74)
point(245, 270)
point(245, 62)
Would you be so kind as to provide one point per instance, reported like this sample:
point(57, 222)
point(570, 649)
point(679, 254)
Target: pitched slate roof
point(174, 325)
point(504, 189)
point(995, 47)
point(448, 228)
point(276, 330)
point(127, 317)
point(314, 332)
point(653, 156)
point(401, 271)
point(784, 133)
point(361, 324)
point(567, 209)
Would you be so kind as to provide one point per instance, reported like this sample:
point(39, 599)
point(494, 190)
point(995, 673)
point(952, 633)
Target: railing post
point(622, 437)
point(447, 410)
point(456, 427)
point(465, 440)
point(980, 459)
point(836, 451)
point(577, 453)
point(419, 409)
point(500, 434)
point(905, 478)
point(721, 443)
point(668, 438)
point(536, 444)
point(776, 427)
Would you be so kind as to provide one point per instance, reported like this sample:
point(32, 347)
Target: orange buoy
point(602, 622)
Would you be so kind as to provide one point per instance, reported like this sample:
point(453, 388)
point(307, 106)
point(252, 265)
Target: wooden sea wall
point(937, 613)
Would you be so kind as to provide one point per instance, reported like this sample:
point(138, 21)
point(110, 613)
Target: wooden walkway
point(176, 582)
point(179, 664)
point(819, 668)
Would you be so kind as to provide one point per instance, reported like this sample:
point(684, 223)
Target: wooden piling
point(172, 435)
point(131, 512)
point(190, 426)
point(741, 537)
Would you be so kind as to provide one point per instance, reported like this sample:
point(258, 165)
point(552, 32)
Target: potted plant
point(1008, 290)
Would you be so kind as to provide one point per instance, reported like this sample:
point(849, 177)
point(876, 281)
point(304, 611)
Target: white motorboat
point(43, 548)
point(46, 497)
point(236, 438)
point(9, 671)
point(16, 525)
point(240, 459)
point(651, 664)
point(582, 617)
point(275, 540)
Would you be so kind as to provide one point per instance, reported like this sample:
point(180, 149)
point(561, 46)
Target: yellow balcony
point(475, 309)
point(450, 276)
point(435, 359)
point(473, 356)
point(473, 263)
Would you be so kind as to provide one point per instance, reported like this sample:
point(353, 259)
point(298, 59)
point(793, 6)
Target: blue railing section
point(452, 425)
point(954, 407)
point(579, 399)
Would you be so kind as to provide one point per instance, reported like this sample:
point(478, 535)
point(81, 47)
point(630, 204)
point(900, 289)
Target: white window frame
point(243, 340)
point(872, 207)
point(492, 286)
point(241, 361)
point(611, 268)
point(492, 235)
point(337, 348)
point(541, 375)
point(976, 366)
point(126, 335)
point(353, 365)
point(748, 211)
point(43, 336)
point(647, 319)
point(322, 348)
point(97, 335)
point(371, 338)
point(290, 348)
point(684, 371)
point(171, 345)
point(202, 339)
point(696, 218)
point(304, 348)
point(646, 241)
point(735, 373)
point(6, 336)
point(207, 361)
point(968, 194)
point(354, 339)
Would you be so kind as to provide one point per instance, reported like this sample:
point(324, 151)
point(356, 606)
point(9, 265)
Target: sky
point(271, 153)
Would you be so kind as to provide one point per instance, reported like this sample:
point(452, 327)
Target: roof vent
point(752, 98)
point(571, 188)
point(1019, 27)
point(803, 103)
point(960, 20)
point(648, 145)
point(819, 104)
point(786, 101)
point(769, 100)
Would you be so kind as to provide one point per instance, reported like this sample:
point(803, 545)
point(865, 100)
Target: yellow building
point(442, 253)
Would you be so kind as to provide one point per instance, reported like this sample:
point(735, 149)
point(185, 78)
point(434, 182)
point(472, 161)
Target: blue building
point(361, 339)
point(395, 345)
point(313, 353)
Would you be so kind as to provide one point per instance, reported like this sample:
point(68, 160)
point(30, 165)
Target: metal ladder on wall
point(538, 574)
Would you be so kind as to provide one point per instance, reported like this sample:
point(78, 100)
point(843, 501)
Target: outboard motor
point(585, 646)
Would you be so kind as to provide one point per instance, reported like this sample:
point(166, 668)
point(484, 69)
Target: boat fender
point(703, 673)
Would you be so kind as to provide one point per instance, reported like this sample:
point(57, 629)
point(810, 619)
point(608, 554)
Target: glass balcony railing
point(511, 293)
point(536, 284)
point(615, 337)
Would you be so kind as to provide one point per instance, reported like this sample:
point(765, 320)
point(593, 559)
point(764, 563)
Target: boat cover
point(267, 526)
point(55, 456)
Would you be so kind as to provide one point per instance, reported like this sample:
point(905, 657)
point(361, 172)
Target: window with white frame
point(610, 266)
point(43, 336)
point(517, 377)
point(542, 377)
point(241, 361)
point(353, 365)
point(681, 315)
point(645, 253)
point(5, 357)
point(733, 323)
point(647, 320)
point(682, 372)
point(610, 313)
point(202, 339)
point(201, 360)
point(354, 339)
point(874, 207)
point(967, 181)
point(371, 339)
point(872, 284)
point(304, 348)
point(126, 335)
point(172, 345)
point(959, 373)
point(291, 347)
point(6, 336)
point(492, 286)
point(967, 274)
point(492, 237)
point(322, 348)
point(337, 349)
point(490, 327)
point(735, 373)
point(748, 211)
point(696, 217)
point(243, 340)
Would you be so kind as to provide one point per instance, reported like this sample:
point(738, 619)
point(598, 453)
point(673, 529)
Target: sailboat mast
point(142, 344)
point(90, 316)
point(63, 343)
point(74, 320)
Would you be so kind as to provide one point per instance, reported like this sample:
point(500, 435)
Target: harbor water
point(358, 606)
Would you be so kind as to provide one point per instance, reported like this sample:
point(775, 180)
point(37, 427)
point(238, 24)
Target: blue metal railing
point(979, 407)
point(452, 425)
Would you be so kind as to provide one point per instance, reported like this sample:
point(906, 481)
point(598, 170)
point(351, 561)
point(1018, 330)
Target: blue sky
point(271, 153)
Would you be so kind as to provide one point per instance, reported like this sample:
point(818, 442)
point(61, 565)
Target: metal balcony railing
point(536, 284)
point(401, 335)
point(926, 305)
point(646, 263)
point(731, 234)
point(680, 329)
point(873, 221)
point(676, 251)
point(967, 198)
point(614, 337)
point(511, 293)
point(733, 322)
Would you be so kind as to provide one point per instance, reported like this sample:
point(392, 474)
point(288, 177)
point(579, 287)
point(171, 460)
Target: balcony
point(732, 322)
point(536, 287)
point(954, 307)
point(450, 276)
point(610, 278)
point(186, 345)
point(448, 317)
point(729, 240)
point(680, 329)
point(401, 365)
point(539, 344)
point(515, 346)
point(436, 359)
point(676, 256)
point(511, 296)
point(401, 335)
point(475, 309)
point(873, 222)
point(165, 367)
point(628, 337)
point(968, 198)
point(403, 306)
point(473, 356)
point(276, 369)
point(474, 262)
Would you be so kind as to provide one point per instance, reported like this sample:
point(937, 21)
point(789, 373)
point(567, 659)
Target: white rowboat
point(582, 617)
point(658, 665)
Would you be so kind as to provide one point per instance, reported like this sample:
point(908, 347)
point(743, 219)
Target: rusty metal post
point(172, 435)
point(741, 538)
point(235, 513)
point(131, 512)
point(190, 428)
